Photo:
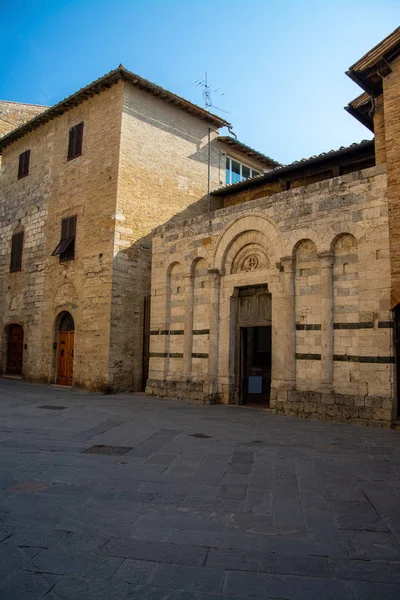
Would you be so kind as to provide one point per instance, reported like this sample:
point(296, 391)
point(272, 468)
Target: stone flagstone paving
point(256, 507)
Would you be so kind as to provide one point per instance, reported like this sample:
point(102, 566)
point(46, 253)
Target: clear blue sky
point(281, 63)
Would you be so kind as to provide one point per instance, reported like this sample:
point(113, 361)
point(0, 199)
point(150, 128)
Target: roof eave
point(367, 122)
point(97, 86)
point(275, 174)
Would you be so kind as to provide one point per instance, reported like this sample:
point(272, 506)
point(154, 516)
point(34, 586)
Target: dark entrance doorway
point(65, 349)
point(253, 345)
point(15, 349)
point(256, 364)
point(396, 315)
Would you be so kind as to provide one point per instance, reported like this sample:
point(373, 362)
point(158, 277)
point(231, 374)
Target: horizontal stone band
point(165, 355)
point(363, 359)
point(167, 331)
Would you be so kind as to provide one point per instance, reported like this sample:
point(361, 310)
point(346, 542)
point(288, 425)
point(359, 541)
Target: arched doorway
point(15, 349)
point(65, 349)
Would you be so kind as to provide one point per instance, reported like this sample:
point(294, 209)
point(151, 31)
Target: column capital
point(286, 264)
point(326, 258)
point(215, 273)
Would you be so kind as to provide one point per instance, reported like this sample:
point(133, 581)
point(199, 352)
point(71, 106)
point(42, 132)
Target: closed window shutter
point(75, 141)
point(71, 143)
point(17, 244)
point(26, 162)
point(79, 139)
point(20, 166)
point(23, 165)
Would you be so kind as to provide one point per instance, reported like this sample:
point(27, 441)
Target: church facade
point(287, 296)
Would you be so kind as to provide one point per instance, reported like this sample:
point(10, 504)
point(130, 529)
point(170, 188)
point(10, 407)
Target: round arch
point(256, 222)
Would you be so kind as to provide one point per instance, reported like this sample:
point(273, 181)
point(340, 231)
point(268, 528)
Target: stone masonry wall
point(163, 174)
point(391, 116)
point(56, 188)
point(323, 251)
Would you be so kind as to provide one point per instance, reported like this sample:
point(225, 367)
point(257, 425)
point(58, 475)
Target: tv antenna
point(207, 89)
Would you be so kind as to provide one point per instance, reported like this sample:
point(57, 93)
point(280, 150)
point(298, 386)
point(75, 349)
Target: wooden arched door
point(65, 349)
point(15, 349)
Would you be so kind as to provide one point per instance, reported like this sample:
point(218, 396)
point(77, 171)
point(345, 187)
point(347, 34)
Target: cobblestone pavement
point(207, 503)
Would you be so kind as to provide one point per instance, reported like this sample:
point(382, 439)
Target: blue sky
point(281, 64)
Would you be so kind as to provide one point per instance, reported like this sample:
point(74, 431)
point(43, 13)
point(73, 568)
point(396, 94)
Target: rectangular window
point(23, 166)
point(66, 246)
point(236, 171)
point(17, 244)
point(75, 141)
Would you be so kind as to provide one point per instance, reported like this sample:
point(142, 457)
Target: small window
point(17, 244)
point(236, 171)
point(75, 141)
point(23, 166)
point(66, 246)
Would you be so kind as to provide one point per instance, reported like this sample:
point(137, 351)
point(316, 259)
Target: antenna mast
point(207, 89)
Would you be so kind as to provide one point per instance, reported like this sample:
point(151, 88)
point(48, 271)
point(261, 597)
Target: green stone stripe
point(308, 356)
point(363, 359)
point(165, 355)
point(199, 355)
point(308, 326)
point(201, 331)
point(167, 331)
point(362, 325)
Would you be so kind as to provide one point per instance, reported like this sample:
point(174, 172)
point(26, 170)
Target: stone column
point(188, 328)
point(215, 280)
point(289, 319)
point(326, 263)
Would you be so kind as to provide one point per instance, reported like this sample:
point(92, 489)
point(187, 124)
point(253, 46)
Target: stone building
point(82, 185)
point(13, 114)
point(288, 293)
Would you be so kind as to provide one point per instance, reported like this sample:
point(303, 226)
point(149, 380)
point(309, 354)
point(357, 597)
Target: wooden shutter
point(23, 165)
point(71, 143)
point(79, 139)
point(17, 244)
point(75, 141)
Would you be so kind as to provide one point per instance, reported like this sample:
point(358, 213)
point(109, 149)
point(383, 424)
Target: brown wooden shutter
point(79, 139)
point(17, 244)
point(26, 162)
point(71, 143)
point(72, 226)
point(75, 141)
point(23, 165)
point(20, 166)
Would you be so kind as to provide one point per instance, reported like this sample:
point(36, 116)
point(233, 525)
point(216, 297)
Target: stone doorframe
point(235, 396)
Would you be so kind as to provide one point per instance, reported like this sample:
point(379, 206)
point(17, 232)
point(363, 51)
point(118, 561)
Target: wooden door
point(65, 357)
point(15, 350)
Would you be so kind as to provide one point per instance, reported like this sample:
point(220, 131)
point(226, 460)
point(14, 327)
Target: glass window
point(235, 171)
point(245, 172)
point(228, 170)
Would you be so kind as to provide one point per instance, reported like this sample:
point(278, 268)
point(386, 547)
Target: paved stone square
point(202, 503)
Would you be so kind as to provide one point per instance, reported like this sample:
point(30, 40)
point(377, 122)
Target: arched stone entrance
point(65, 349)
point(15, 349)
